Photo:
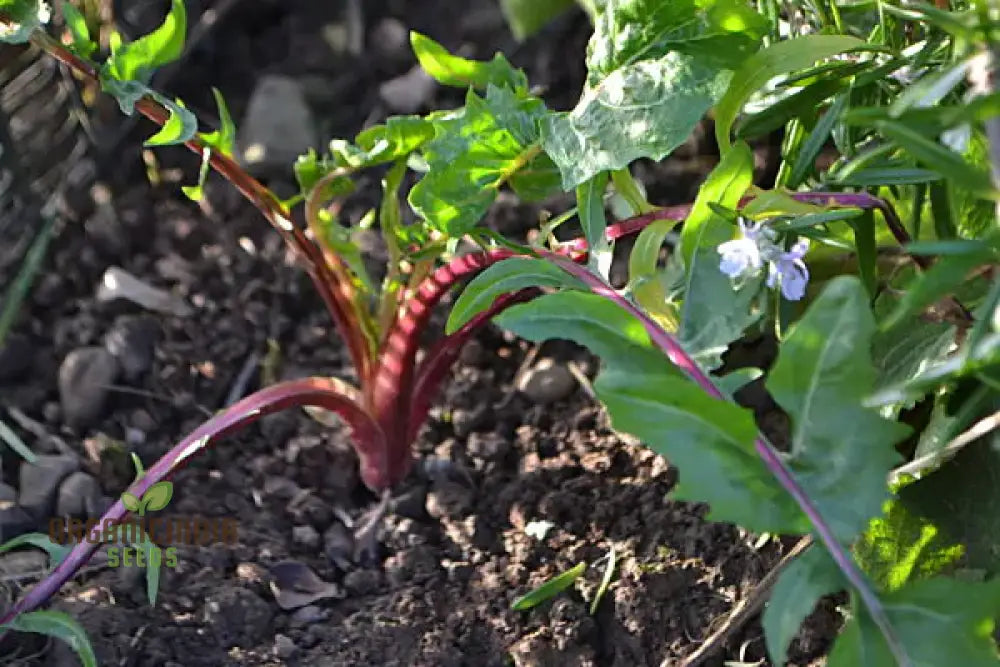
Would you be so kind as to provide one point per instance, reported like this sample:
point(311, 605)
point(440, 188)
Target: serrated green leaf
point(654, 69)
point(940, 622)
point(56, 552)
point(76, 23)
point(810, 577)
point(840, 452)
point(526, 17)
point(397, 138)
point(710, 440)
point(158, 495)
point(26, 16)
point(61, 626)
point(462, 73)
point(505, 277)
point(472, 155)
point(778, 58)
point(550, 588)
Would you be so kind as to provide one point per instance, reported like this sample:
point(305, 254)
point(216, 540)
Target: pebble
point(305, 536)
point(83, 379)
point(547, 382)
point(308, 615)
point(363, 581)
point(391, 40)
point(39, 482)
point(277, 128)
point(80, 496)
point(284, 647)
point(338, 545)
point(16, 357)
point(238, 616)
point(132, 340)
point(117, 283)
point(408, 93)
point(8, 494)
point(449, 499)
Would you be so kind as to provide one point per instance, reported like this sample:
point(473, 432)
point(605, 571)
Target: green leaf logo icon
point(130, 502)
point(157, 496)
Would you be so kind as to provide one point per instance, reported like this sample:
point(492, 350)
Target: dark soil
point(455, 549)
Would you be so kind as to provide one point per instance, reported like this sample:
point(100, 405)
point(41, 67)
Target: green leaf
point(940, 622)
point(609, 572)
point(936, 157)
point(654, 68)
point(778, 58)
point(550, 588)
point(472, 155)
point(505, 277)
point(222, 140)
point(136, 61)
point(77, 24)
point(878, 177)
point(13, 441)
point(805, 160)
point(810, 577)
point(455, 71)
point(526, 17)
point(180, 126)
point(158, 495)
point(590, 207)
point(130, 502)
point(59, 625)
point(710, 440)
point(867, 252)
point(26, 16)
point(839, 451)
point(901, 547)
point(942, 279)
point(715, 312)
point(396, 139)
point(56, 552)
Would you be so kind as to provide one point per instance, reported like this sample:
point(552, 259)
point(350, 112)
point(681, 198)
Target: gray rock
point(409, 92)
point(8, 495)
point(391, 40)
point(308, 615)
point(277, 128)
point(338, 545)
point(547, 382)
point(79, 496)
point(14, 521)
point(83, 378)
point(16, 357)
point(39, 482)
point(132, 340)
point(305, 536)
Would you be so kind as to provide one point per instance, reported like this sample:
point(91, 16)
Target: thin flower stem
point(770, 456)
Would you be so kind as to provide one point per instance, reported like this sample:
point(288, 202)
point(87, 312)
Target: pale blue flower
point(790, 271)
point(744, 257)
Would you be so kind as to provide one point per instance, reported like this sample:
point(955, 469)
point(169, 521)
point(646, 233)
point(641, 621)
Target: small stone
point(449, 499)
point(488, 446)
point(8, 494)
point(308, 615)
point(305, 536)
point(119, 284)
point(14, 521)
point(363, 582)
point(79, 496)
point(409, 92)
point(16, 357)
point(39, 482)
point(338, 545)
point(280, 487)
point(132, 340)
point(277, 128)
point(83, 380)
point(238, 616)
point(284, 647)
point(547, 382)
point(472, 353)
point(391, 40)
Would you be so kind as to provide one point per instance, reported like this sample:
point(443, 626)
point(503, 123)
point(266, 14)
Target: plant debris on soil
point(517, 481)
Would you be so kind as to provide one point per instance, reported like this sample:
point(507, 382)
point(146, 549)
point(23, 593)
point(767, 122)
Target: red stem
point(326, 393)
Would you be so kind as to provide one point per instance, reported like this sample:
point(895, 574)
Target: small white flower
point(742, 257)
point(957, 138)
